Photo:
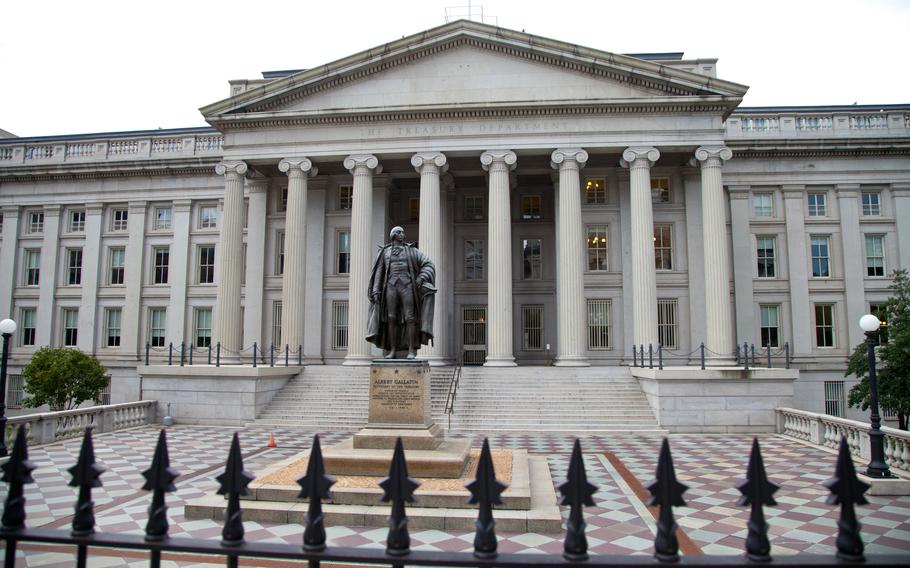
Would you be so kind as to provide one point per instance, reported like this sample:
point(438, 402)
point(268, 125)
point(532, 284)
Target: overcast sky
point(96, 66)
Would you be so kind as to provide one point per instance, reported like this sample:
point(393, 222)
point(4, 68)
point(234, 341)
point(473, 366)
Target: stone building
point(578, 202)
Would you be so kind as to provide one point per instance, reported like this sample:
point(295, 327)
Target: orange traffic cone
point(272, 443)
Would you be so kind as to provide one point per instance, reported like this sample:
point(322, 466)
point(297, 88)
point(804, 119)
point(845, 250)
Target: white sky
point(74, 66)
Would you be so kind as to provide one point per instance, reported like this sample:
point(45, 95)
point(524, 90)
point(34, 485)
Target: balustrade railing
point(893, 120)
point(165, 145)
point(80, 150)
point(814, 123)
point(868, 121)
point(47, 427)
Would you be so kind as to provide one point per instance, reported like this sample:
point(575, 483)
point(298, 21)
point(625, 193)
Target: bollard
point(286, 353)
point(769, 354)
point(147, 353)
point(254, 353)
point(272, 356)
point(210, 353)
point(753, 356)
point(746, 356)
point(300, 355)
point(738, 362)
point(634, 356)
point(650, 356)
point(660, 356)
point(786, 354)
point(702, 355)
point(170, 353)
point(218, 355)
point(191, 354)
point(182, 355)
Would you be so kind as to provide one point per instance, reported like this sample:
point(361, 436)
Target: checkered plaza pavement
point(618, 524)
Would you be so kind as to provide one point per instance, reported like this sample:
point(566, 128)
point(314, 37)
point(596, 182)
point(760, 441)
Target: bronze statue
point(402, 296)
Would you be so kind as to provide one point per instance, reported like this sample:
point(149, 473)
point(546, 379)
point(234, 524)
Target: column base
point(500, 362)
point(357, 360)
point(572, 361)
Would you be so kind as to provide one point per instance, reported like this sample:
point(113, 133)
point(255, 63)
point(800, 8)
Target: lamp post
point(7, 329)
point(877, 466)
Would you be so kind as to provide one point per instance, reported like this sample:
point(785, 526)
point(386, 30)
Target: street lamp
point(877, 466)
point(7, 329)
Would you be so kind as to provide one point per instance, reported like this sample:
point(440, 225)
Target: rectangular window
point(32, 263)
point(206, 264)
point(279, 253)
point(764, 252)
point(119, 219)
point(414, 209)
point(770, 326)
point(74, 267)
point(473, 207)
point(663, 247)
point(881, 312)
point(598, 256)
point(70, 327)
point(835, 401)
point(339, 325)
point(163, 218)
point(208, 217)
point(473, 259)
point(531, 259)
point(283, 200)
point(161, 258)
point(824, 325)
point(530, 206)
point(595, 191)
point(77, 221)
point(668, 323)
point(817, 205)
point(660, 188)
point(532, 328)
point(203, 327)
point(104, 397)
point(875, 255)
point(763, 205)
point(345, 197)
point(599, 332)
point(821, 257)
point(872, 205)
point(276, 324)
point(344, 252)
point(157, 326)
point(28, 316)
point(35, 222)
point(14, 391)
point(118, 264)
point(112, 317)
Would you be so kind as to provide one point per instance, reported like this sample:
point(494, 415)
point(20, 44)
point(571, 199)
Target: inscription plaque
point(400, 394)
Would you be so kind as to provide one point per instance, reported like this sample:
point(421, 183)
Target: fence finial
point(577, 492)
point(666, 493)
point(398, 488)
point(86, 476)
point(233, 482)
point(159, 479)
point(847, 490)
point(17, 472)
point(485, 491)
point(315, 486)
point(757, 491)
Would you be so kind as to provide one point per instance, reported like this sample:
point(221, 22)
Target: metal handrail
point(453, 390)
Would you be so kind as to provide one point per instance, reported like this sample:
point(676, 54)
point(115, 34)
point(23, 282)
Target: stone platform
point(446, 461)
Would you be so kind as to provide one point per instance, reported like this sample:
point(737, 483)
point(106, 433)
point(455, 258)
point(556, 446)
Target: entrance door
point(474, 337)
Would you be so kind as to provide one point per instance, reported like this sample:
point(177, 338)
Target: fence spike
point(666, 493)
point(577, 492)
point(86, 476)
point(847, 490)
point(485, 492)
point(233, 482)
point(315, 486)
point(159, 479)
point(757, 491)
point(17, 472)
point(398, 488)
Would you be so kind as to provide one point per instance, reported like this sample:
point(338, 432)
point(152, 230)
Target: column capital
point(566, 157)
point(430, 159)
point(710, 155)
point(639, 156)
point(237, 168)
point(293, 165)
point(368, 161)
point(506, 157)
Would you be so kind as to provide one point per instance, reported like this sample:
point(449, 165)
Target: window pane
point(531, 259)
point(157, 326)
point(668, 323)
point(765, 257)
point(597, 248)
point(344, 252)
point(599, 324)
point(663, 247)
point(595, 191)
point(203, 327)
point(532, 327)
point(339, 325)
point(875, 255)
point(474, 251)
point(820, 257)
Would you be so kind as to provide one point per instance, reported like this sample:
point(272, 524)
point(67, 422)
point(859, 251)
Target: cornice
point(195, 167)
point(828, 148)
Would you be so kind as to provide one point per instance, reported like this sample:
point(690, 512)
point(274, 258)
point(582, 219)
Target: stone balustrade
point(825, 430)
point(47, 427)
point(835, 123)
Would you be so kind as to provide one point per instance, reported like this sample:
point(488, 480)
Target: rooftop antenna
point(470, 12)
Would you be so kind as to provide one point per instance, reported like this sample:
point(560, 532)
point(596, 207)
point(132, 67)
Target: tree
point(893, 358)
point(63, 378)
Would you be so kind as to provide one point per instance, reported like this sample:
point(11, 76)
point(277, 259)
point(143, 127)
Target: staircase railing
point(453, 390)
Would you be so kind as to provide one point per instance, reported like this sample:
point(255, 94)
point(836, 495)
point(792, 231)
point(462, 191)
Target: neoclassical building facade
point(576, 202)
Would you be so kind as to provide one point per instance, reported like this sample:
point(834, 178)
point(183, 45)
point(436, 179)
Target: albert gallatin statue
point(402, 296)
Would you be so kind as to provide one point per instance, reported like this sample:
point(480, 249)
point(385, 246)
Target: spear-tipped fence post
point(17, 472)
point(757, 491)
point(787, 354)
point(650, 355)
point(170, 353)
point(159, 479)
point(486, 491)
point(398, 488)
point(702, 355)
point(233, 483)
point(634, 356)
point(210, 353)
point(769, 354)
point(218, 354)
point(286, 354)
point(666, 492)
point(300, 355)
point(272, 356)
point(315, 486)
point(660, 356)
point(254, 353)
point(847, 490)
point(577, 492)
point(147, 347)
point(746, 356)
point(182, 353)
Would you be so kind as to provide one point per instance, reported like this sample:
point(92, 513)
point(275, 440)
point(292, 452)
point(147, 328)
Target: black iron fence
point(746, 356)
point(757, 491)
point(182, 354)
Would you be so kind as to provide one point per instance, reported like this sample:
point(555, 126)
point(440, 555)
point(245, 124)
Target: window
point(667, 323)
point(157, 326)
point(663, 247)
point(824, 325)
point(344, 252)
point(660, 189)
point(770, 326)
point(203, 327)
point(530, 206)
point(762, 205)
point(208, 217)
point(875, 255)
point(74, 267)
point(473, 259)
point(35, 222)
point(32, 263)
point(104, 397)
point(77, 221)
point(279, 253)
point(531, 260)
point(163, 218)
point(14, 390)
point(821, 259)
point(532, 328)
point(112, 317)
point(283, 200)
point(598, 257)
point(765, 255)
point(817, 205)
point(339, 325)
point(70, 327)
point(872, 205)
point(599, 325)
point(276, 323)
point(595, 191)
point(206, 264)
point(161, 258)
point(118, 263)
point(881, 312)
point(414, 209)
point(345, 197)
point(473, 207)
point(119, 219)
point(835, 401)
point(28, 317)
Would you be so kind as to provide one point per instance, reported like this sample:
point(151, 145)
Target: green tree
point(893, 358)
point(63, 378)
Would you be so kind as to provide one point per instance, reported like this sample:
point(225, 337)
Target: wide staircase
point(525, 399)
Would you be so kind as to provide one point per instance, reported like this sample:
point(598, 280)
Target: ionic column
point(644, 283)
point(91, 266)
point(430, 165)
point(230, 258)
point(499, 244)
point(134, 278)
point(570, 286)
point(257, 189)
point(718, 315)
point(50, 249)
point(362, 167)
point(293, 291)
